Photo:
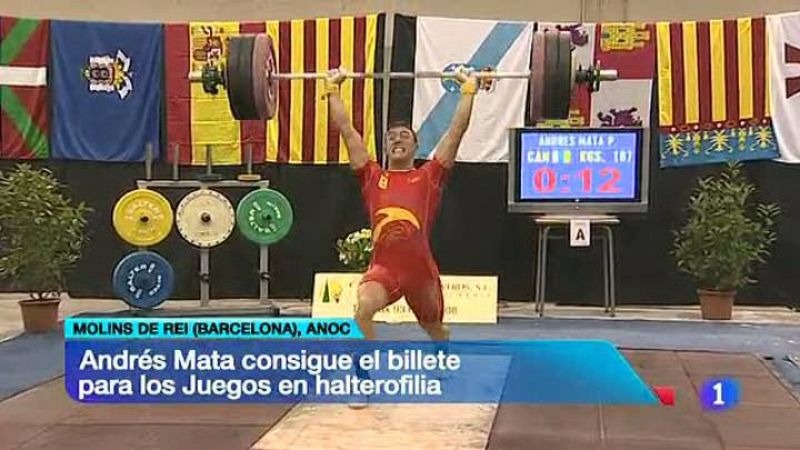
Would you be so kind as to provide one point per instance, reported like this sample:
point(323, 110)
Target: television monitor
point(577, 171)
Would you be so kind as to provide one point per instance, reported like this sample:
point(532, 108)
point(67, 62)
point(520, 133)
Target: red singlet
point(402, 205)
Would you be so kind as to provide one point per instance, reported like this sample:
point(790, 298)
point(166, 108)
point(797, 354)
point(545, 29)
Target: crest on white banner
point(784, 52)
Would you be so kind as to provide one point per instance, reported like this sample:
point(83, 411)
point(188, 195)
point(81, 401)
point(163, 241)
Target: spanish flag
point(300, 132)
point(196, 119)
point(713, 92)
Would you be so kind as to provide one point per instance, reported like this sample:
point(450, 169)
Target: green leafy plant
point(727, 234)
point(355, 250)
point(42, 232)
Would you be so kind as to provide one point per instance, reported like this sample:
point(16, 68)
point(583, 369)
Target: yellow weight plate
point(143, 217)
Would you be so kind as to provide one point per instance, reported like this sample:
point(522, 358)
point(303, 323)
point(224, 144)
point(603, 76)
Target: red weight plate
point(271, 64)
point(265, 86)
point(536, 83)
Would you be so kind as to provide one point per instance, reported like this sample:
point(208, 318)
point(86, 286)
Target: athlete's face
point(400, 144)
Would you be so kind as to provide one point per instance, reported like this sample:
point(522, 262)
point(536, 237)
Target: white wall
point(550, 10)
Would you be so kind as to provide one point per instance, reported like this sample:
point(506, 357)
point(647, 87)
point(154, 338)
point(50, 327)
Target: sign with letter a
point(579, 233)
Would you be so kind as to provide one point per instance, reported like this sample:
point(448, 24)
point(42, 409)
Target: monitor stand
point(566, 218)
point(549, 221)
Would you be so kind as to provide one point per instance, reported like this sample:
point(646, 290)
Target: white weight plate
point(205, 218)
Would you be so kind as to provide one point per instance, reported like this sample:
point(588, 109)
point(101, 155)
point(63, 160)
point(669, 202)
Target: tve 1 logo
point(720, 394)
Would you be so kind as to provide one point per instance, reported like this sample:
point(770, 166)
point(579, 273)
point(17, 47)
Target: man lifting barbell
point(402, 203)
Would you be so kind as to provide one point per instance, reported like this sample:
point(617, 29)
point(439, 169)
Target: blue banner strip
point(211, 328)
point(283, 371)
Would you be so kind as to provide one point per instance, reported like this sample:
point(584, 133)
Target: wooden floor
point(767, 419)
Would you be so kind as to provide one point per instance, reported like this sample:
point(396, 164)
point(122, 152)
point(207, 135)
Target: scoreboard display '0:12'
point(578, 166)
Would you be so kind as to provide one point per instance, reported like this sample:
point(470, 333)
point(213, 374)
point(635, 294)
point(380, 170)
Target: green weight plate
point(264, 216)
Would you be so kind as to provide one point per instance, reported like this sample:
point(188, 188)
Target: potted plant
point(355, 250)
point(41, 237)
point(726, 236)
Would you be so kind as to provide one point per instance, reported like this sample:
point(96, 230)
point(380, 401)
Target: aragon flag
point(24, 48)
point(300, 132)
point(713, 92)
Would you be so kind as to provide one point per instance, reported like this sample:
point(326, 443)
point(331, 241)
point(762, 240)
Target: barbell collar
point(608, 75)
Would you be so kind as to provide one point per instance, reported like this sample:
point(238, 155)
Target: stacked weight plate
point(205, 218)
point(143, 279)
point(264, 216)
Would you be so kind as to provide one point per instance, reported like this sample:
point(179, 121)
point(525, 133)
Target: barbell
point(250, 76)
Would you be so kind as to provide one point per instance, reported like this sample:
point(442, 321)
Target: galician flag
point(443, 44)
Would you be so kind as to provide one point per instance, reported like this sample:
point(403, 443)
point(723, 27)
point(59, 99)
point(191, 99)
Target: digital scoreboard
point(591, 169)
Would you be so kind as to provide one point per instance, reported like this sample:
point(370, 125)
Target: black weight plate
point(240, 78)
point(564, 92)
point(249, 110)
point(550, 76)
point(233, 83)
point(558, 75)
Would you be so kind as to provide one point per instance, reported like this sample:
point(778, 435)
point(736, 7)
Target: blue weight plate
point(143, 279)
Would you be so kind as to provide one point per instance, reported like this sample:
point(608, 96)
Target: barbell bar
point(251, 78)
point(604, 75)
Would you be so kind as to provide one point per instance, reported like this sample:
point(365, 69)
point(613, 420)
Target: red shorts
point(421, 289)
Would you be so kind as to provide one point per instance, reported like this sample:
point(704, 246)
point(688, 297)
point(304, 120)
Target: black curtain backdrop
point(473, 236)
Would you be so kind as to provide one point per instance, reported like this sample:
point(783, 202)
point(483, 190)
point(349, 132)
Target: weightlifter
point(402, 203)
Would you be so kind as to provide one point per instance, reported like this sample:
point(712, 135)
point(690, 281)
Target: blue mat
point(29, 360)
point(762, 339)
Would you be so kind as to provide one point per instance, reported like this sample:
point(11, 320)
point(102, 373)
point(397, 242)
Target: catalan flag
point(24, 125)
point(301, 132)
point(713, 92)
